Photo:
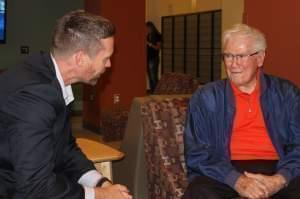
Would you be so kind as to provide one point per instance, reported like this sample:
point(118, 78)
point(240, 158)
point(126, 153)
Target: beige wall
point(155, 9)
point(232, 13)
point(232, 10)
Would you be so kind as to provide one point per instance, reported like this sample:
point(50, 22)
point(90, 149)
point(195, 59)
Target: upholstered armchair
point(163, 124)
point(153, 166)
point(113, 124)
point(175, 83)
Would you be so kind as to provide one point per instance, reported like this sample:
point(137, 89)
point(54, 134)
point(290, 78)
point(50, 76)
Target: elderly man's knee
point(203, 187)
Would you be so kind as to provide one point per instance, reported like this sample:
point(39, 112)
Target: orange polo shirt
point(250, 139)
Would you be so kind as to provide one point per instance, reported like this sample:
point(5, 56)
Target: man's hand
point(109, 191)
point(251, 188)
point(273, 183)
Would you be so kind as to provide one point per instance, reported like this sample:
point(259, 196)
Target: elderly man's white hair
point(243, 30)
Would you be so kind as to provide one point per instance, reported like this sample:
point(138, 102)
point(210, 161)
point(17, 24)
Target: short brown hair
point(80, 30)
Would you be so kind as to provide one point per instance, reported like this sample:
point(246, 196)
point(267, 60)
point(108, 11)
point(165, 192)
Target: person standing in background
point(153, 47)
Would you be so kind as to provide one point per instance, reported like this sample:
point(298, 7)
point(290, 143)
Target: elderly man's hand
point(251, 188)
point(109, 191)
point(273, 183)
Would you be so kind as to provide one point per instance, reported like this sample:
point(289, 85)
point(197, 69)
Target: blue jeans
point(152, 69)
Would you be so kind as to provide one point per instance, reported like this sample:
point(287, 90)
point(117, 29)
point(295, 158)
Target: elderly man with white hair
point(242, 136)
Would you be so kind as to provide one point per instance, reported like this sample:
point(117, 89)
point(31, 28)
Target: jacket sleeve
point(29, 117)
point(289, 163)
point(200, 140)
point(75, 163)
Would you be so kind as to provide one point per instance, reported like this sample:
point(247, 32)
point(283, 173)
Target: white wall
point(30, 23)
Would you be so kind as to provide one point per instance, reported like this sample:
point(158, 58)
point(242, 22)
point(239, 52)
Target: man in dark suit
point(39, 157)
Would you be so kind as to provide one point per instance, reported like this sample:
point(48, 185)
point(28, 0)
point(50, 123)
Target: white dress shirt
point(90, 178)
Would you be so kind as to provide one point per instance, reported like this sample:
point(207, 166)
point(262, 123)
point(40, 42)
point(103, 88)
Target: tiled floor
point(78, 131)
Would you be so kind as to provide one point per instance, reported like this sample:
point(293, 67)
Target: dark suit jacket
point(38, 154)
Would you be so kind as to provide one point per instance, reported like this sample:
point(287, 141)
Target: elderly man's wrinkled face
point(242, 62)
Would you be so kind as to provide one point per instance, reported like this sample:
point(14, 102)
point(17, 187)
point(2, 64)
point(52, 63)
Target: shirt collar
point(66, 90)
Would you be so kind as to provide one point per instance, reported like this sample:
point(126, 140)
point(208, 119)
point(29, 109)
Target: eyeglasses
point(229, 58)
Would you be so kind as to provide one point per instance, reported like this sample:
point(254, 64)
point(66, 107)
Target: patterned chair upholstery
point(113, 124)
point(175, 83)
point(163, 124)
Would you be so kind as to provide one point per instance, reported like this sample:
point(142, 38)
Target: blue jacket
point(209, 125)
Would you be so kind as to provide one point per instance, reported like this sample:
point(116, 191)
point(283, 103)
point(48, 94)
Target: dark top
point(39, 157)
point(153, 38)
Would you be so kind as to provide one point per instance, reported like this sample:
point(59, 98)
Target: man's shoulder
point(211, 88)
point(279, 84)
point(40, 66)
point(33, 77)
point(36, 69)
point(209, 93)
point(157, 37)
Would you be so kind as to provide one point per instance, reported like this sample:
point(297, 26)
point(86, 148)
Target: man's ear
point(80, 58)
point(261, 58)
